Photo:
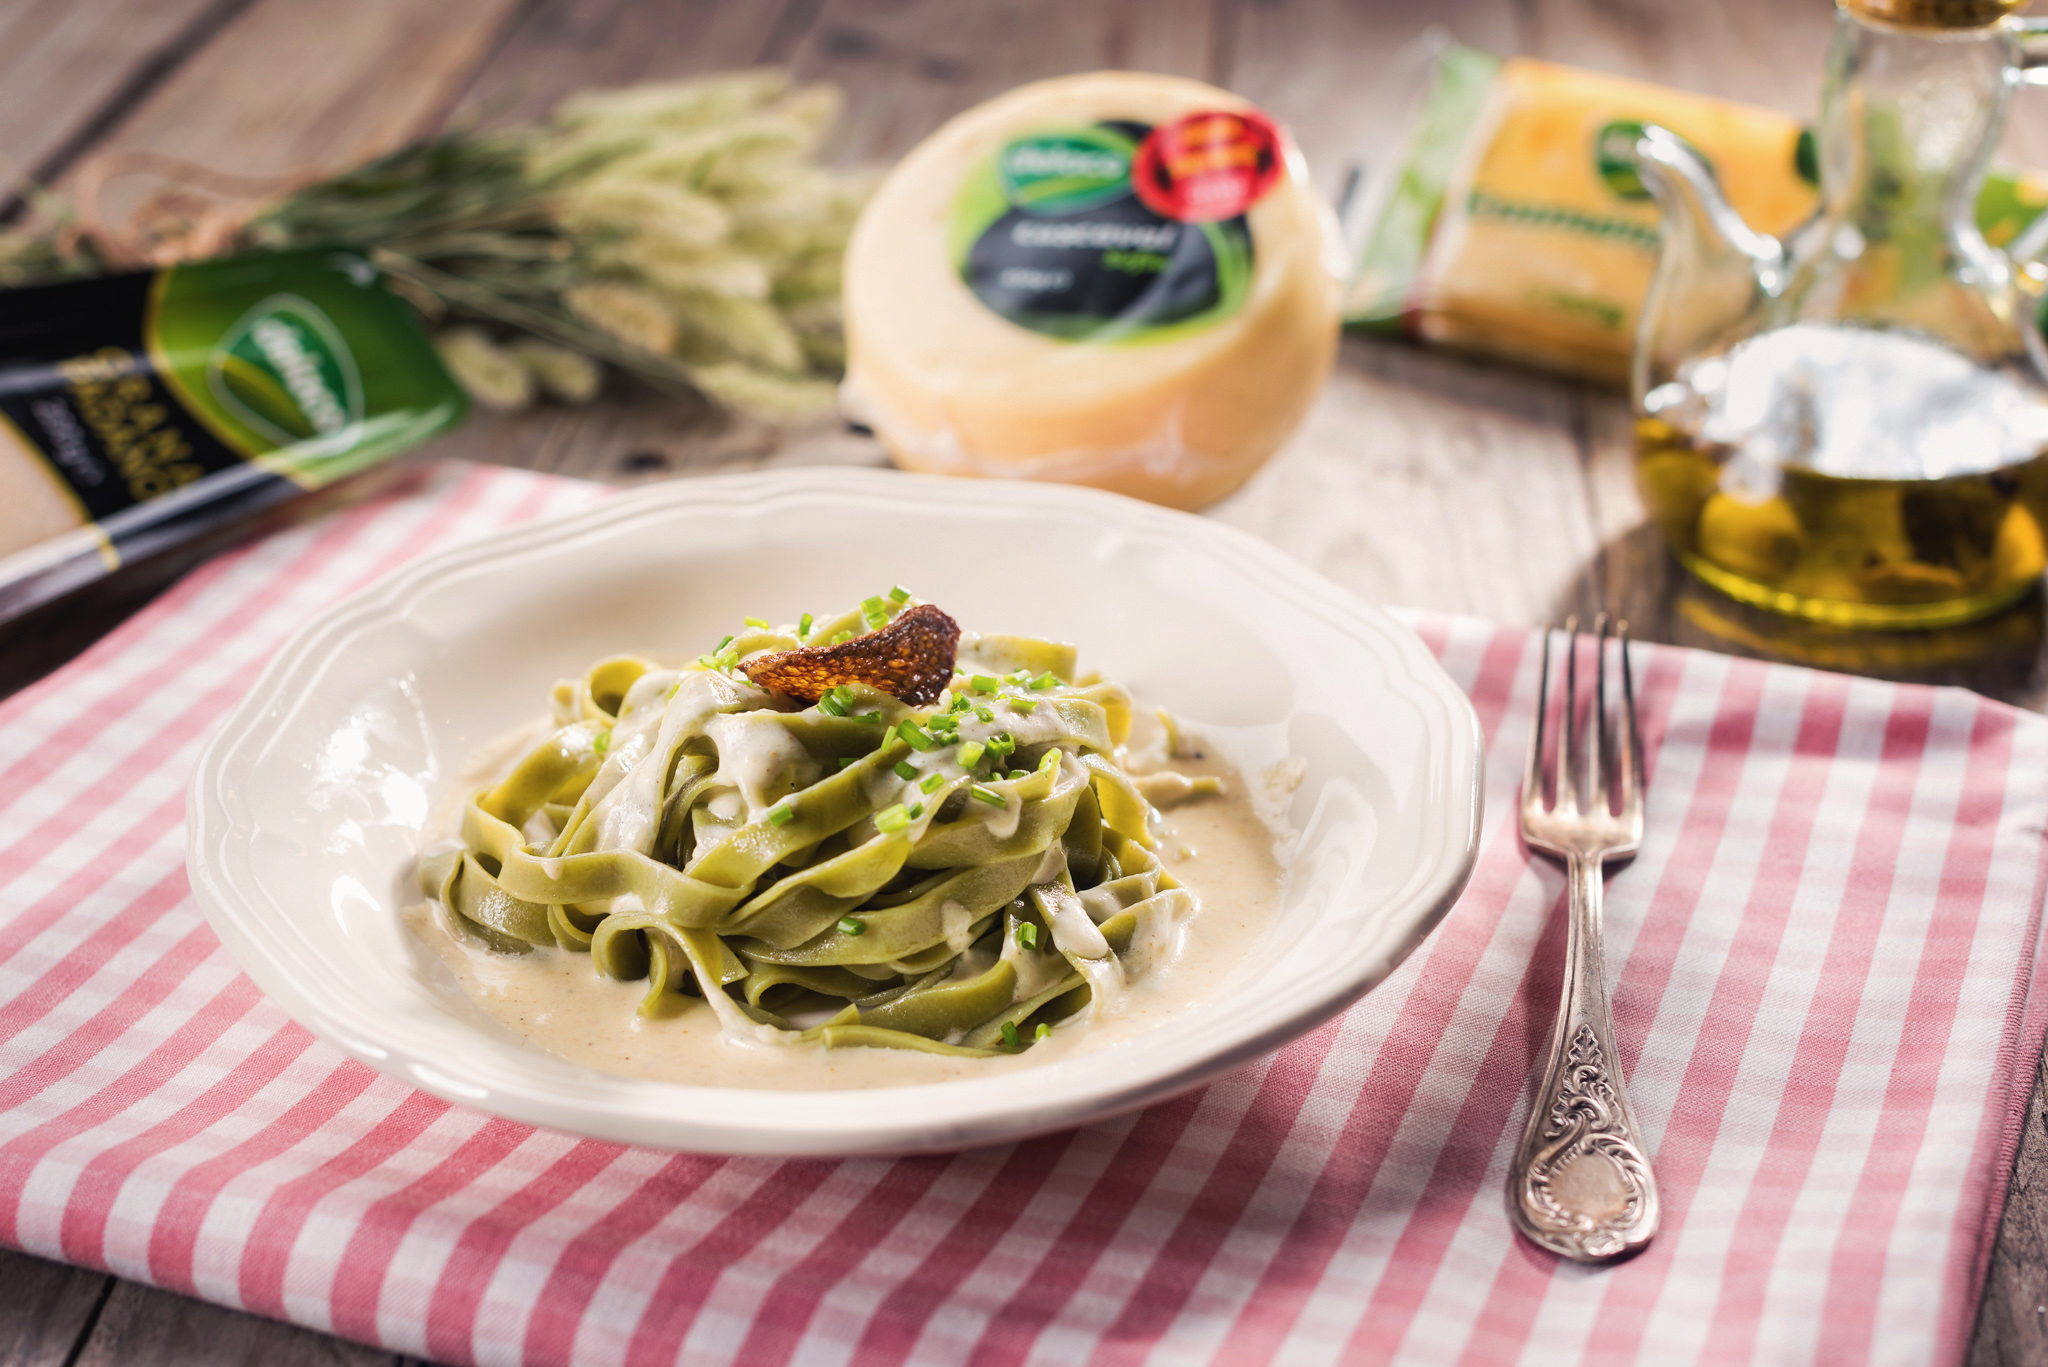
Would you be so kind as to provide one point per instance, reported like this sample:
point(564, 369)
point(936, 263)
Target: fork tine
point(1631, 758)
point(1598, 744)
point(1568, 753)
point(1532, 777)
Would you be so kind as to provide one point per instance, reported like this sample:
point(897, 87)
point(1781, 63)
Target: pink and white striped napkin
point(1824, 959)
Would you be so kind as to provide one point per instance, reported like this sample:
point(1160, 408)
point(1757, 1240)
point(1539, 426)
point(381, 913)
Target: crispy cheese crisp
point(911, 658)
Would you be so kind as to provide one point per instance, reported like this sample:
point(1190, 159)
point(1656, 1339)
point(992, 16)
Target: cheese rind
point(952, 386)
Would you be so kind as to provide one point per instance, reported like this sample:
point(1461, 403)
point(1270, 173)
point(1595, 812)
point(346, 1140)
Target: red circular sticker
point(1208, 165)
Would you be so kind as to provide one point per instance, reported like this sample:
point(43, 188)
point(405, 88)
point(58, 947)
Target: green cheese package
point(141, 411)
point(1512, 221)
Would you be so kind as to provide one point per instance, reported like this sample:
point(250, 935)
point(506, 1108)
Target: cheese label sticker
point(1207, 166)
point(1116, 233)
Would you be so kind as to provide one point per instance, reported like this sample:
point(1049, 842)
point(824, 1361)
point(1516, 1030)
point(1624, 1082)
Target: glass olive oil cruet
point(1851, 425)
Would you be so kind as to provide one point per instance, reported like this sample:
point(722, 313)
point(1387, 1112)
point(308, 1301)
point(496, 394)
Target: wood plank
point(637, 436)
point(2012, 1320)
point(47, 1309)
point(141, 1324)
point(1427, 481)
point(73, 63)
point(286, 91)
point(554, 50)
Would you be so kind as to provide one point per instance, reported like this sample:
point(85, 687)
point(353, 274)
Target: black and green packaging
point(139, 411)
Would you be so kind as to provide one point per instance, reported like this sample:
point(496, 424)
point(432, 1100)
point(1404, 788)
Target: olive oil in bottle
point(1743, 462)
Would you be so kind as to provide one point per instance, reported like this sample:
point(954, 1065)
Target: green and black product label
point(1120, 231)
point(145, 394)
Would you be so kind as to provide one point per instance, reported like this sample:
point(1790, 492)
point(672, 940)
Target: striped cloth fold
point(1824, 960)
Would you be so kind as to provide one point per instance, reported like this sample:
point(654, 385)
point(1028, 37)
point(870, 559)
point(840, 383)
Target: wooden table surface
point(1419, 478)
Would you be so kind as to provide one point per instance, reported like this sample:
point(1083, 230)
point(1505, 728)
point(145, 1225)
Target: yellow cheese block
point(1547, 239)
point(1014, 308)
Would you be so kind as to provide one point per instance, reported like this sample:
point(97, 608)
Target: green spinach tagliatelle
point(960, 875)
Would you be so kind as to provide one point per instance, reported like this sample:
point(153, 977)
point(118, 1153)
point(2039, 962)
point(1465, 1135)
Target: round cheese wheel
point(1115, 279)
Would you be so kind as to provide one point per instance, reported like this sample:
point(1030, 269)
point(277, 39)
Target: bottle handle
point(2030, 67)
point(2030, 42)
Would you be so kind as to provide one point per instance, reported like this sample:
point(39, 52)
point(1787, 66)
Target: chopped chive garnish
point(1027, 935)
point(1024, 704)
point(916, 810)
point(1004, 744)
point(602, 743)
point(871, 718)
point(906, 770)
point(942, 722)
point(781, 814)
point(982, 683)
point(707, 662)
point(842, 638)
point(1019, 676)
point(931, 783)
point(831, 706)
point(756, 623)
point(984, 714)
point(988, 795)
point(1010, 1034)
point(803, 626)
point(1018, 773)
point(915, 736)
point(900, 594)
point(1046, 680)
point(959, 703)
point(845, 760)
point(1051, 760)
point(1044, 1031)
point(870, 606)
point(892, 819)
point(852, 925)
point(721, 645)
point(970, 754)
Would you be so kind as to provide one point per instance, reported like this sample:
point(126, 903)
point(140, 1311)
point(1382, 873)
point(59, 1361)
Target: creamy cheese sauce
point(1226, 857)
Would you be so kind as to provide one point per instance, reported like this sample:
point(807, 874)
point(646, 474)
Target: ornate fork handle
point(1581, 1185)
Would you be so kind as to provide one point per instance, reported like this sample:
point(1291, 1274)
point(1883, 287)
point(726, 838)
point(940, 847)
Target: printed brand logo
point(284, 370)
point(1057, 173)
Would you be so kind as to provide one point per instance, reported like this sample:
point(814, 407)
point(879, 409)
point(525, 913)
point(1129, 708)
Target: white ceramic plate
point(305, 808)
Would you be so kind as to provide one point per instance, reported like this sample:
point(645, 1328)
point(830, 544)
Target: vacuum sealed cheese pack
point(1115, 279)
point(1513, 222)
point(139, 411)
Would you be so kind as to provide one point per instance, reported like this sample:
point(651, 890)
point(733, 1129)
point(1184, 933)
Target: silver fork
point(1580, 1185)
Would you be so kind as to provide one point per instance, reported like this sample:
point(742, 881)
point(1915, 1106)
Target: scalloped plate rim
point(778, 1123)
